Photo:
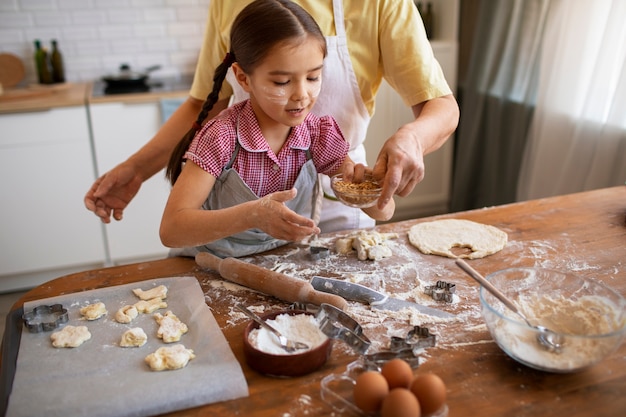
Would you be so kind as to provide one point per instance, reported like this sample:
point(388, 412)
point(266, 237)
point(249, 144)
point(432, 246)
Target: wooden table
point(585, 232)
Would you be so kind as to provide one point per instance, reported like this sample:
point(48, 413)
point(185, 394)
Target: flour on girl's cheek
point(276, 95)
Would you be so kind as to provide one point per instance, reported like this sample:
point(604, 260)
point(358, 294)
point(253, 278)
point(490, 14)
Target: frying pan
point(127, 78)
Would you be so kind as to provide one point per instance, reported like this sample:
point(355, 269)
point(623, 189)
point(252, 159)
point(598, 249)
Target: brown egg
point(430, 392)
point(400, 403)
point(398, 373)
point(369, 391)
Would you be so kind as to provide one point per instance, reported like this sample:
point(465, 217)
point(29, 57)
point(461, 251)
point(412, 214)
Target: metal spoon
point(287, 344)
point(548, 339)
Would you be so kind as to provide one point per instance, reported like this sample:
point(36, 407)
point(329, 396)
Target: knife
point(357, 292)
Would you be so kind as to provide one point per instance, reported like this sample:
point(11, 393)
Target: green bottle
point(44, 72)
point(58, 71)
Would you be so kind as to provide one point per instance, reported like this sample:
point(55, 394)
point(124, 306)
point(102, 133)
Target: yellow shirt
point(386, 38)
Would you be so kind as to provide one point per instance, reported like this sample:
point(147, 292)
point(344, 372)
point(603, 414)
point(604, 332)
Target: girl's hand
point(277, 220)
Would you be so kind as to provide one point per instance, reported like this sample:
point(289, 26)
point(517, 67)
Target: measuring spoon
point(287, 344)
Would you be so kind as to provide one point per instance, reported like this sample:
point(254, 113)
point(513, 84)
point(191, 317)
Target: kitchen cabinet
point(432, 195)
point(46, 167)
point(119, 129)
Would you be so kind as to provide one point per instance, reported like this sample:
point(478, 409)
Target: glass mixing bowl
point(590, 316)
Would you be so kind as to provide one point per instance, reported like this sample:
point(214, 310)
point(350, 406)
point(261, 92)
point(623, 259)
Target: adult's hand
point(112, 192)
point(280, 222)
point(400, 164)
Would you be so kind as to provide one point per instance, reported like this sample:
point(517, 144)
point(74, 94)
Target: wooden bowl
point(289, 364)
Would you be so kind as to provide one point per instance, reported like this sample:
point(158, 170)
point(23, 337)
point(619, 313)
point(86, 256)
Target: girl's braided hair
point(256, 30)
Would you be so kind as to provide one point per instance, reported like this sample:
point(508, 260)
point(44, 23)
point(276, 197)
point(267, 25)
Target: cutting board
point(11, 70)
point(100, 378)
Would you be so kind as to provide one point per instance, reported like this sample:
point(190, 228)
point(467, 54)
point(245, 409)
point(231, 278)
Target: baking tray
point(100, 378)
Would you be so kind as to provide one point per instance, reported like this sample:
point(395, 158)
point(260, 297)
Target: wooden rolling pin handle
point(269, 282)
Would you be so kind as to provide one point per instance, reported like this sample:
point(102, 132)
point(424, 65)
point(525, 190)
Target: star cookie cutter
point(44, 318)
point(441, 291)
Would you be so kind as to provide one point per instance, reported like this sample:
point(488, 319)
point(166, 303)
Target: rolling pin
point(269, 282)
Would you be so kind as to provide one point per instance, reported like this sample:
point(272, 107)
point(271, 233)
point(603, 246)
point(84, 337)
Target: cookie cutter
point(318, 252)
point(44, 318)
point(336, 324)
point(441, 291)
point(407, 348)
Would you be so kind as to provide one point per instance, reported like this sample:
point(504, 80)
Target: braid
point(174, 167)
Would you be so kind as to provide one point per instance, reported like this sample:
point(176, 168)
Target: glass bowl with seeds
point(356, 194)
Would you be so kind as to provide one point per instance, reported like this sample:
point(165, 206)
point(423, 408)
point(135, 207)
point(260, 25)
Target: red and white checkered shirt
point(258, 166)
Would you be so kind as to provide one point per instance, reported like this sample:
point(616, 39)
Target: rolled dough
point(439, 236)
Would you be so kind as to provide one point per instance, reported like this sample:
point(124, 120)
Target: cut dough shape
point(134, 337)
point(150, 306)
point(126, 314)
point(70, 336)
point(371, 245)
point(439, 236)
point(169, 358)
point(93, 311)
point(171, 328)
point(156, 292)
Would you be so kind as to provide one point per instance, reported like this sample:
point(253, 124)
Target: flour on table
point(126, 314)
point(70, 336)
point(439, 236)
point(169, 358)
point(171, 328)
point(134, 337)
point(93, 311)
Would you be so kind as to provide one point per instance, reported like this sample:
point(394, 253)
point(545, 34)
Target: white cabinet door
point(119, 130)
point(432, 195)
point(46, 167)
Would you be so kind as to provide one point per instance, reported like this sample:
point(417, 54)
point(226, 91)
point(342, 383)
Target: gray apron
point(230, 190)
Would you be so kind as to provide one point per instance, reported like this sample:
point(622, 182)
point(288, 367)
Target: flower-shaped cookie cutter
point(441, 291)
point(44, 318)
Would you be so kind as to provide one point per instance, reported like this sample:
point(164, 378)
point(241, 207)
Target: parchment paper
point(100, 378)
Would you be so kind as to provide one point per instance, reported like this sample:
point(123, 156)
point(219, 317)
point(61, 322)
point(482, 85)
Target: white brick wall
point(96, 36)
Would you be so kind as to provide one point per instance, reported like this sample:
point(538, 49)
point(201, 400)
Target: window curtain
point(577, 138)
point(497, 102)
point(543, 106)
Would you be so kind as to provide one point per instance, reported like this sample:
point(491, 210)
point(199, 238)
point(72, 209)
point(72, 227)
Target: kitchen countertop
point(583, 232)
point(38, 97)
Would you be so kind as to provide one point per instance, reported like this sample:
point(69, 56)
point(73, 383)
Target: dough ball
point(70, 336)
point(126, 314)
point(169, 358)
point(134, 337)
point(93, 311)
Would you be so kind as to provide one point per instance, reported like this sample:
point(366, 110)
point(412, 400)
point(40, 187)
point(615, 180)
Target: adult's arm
point(401, 159)
point(112, 192)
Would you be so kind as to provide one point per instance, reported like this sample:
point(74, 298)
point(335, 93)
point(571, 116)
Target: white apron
point(339, 97)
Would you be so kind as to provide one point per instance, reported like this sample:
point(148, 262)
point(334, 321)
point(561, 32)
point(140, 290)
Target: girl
point(257, 161)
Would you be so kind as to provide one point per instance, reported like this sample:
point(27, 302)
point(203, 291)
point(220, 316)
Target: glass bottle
point(44, 72)
point(58, 71)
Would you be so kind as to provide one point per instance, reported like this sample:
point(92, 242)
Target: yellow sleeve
point(214, 47)
point(407, 59)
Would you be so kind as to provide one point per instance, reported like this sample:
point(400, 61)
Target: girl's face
point(284, 86)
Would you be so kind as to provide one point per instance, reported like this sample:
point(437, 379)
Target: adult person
point(366, 41)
